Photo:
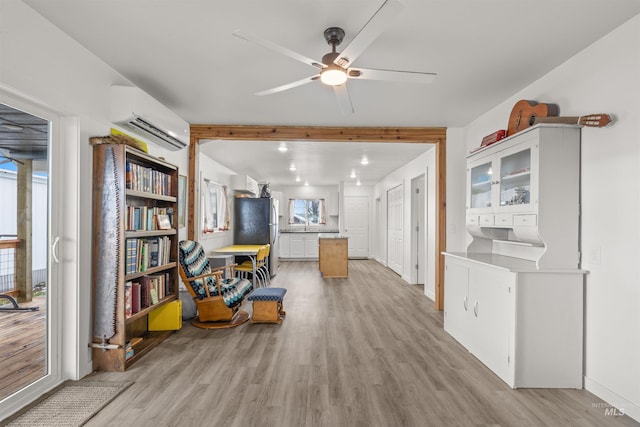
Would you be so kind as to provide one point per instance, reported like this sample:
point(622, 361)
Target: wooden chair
point(217, 299)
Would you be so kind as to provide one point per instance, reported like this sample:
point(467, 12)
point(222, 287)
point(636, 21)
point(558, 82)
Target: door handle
point(54, 250)
point(464, 303)
point(475, 308)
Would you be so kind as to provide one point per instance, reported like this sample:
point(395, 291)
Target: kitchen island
point(333, 261)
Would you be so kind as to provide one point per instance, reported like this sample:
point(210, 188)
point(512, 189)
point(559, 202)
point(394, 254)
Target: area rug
point(72, 404)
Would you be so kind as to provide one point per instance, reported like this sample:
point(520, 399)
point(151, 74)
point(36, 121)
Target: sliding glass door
point(28, 253)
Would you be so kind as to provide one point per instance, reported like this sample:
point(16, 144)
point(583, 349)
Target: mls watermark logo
point(609, 411)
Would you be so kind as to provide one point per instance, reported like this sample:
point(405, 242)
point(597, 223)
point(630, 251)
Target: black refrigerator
point(255, 222)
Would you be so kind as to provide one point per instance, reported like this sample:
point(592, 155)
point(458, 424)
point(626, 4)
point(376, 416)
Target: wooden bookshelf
point(127, 180)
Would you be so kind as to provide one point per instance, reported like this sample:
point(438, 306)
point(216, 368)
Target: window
point(215, 210)
point(307, 211)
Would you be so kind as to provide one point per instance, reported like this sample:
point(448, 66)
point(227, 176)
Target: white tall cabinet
point(514, 299)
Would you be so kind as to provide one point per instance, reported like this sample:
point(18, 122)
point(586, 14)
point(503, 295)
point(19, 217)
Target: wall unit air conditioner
point(139, 113)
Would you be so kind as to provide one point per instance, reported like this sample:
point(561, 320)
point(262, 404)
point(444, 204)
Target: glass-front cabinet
point(515, 178)
point(502, 181)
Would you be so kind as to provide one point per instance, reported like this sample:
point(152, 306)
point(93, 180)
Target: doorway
point(356, 225)
point(436, 136)
point(29, 351)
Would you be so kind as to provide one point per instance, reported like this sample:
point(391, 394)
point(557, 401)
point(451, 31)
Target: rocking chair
point(217, 299)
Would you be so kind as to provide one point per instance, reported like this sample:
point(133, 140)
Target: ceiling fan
point(335, 66)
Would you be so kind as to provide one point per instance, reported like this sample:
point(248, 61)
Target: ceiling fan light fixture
point(333, 75)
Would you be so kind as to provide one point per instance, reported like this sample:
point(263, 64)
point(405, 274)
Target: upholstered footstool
point(267, 305)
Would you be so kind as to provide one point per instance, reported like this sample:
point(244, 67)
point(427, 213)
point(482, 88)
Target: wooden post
point(25, 219)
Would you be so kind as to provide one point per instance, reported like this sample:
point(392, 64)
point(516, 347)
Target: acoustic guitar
point(528, 113)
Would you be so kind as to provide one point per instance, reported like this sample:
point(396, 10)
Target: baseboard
point(616, 405)
point(430, 295)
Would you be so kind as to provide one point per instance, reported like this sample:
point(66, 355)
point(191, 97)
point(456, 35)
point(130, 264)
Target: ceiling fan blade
point(371, 30)
point(277, 48)
point(390, 75)
point(343, 99)
point(288, 86)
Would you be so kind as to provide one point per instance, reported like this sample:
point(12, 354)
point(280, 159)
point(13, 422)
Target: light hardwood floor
point(364, 351)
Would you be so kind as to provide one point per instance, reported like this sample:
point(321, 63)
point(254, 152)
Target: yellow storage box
point(166, 318)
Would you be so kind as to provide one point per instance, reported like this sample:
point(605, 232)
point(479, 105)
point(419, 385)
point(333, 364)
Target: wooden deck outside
point(22, 346)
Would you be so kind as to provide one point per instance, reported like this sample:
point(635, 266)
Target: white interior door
point(356, 225)
point(395, 229)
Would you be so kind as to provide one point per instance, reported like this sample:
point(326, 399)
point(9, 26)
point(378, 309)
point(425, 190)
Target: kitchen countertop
point(331, 236)
point(293, 230)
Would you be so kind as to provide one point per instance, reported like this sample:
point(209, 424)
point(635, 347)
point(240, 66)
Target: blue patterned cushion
point(195, 263)
point(267, 294)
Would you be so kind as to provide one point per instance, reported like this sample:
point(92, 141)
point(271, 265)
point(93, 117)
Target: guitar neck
point(592, 120)
point(565, 120)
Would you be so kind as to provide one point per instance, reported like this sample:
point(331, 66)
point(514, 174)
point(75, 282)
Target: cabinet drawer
point(504, 219)
point(487, 219)
point(531, 220)
point(473, 220)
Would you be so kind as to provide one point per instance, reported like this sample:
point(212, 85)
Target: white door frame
point(395, 220)
point(418, 230)
point(62, 349)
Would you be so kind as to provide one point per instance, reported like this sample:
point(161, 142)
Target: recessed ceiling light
point(353, 173)
point(292, 168)
point(282, 147)
point(297, 179)
point(358, 182)
point(306, 183)
point(364, 161)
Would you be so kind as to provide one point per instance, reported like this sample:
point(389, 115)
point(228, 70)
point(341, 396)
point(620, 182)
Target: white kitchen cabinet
point(333, 205)
point(299, 245)
point(296, 242)
point(523, 324)
point(284, 251)
point(244, 184)
point(311, 246)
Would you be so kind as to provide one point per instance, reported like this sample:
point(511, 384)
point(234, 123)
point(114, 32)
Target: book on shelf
point(163, 222)
point(147, 180)
point(135, 298)
point(153, 294)
point(128, 307)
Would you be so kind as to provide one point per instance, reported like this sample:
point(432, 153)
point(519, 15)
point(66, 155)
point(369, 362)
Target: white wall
point(45, 67)
point(605, 77)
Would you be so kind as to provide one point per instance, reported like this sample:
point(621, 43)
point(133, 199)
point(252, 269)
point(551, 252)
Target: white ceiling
point(183, 54)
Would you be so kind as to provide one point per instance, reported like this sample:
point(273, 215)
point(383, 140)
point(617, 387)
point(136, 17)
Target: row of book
point(149, 180)
point(145, 253)
point(129, 346)
point(143, 218)
point(145, 292)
